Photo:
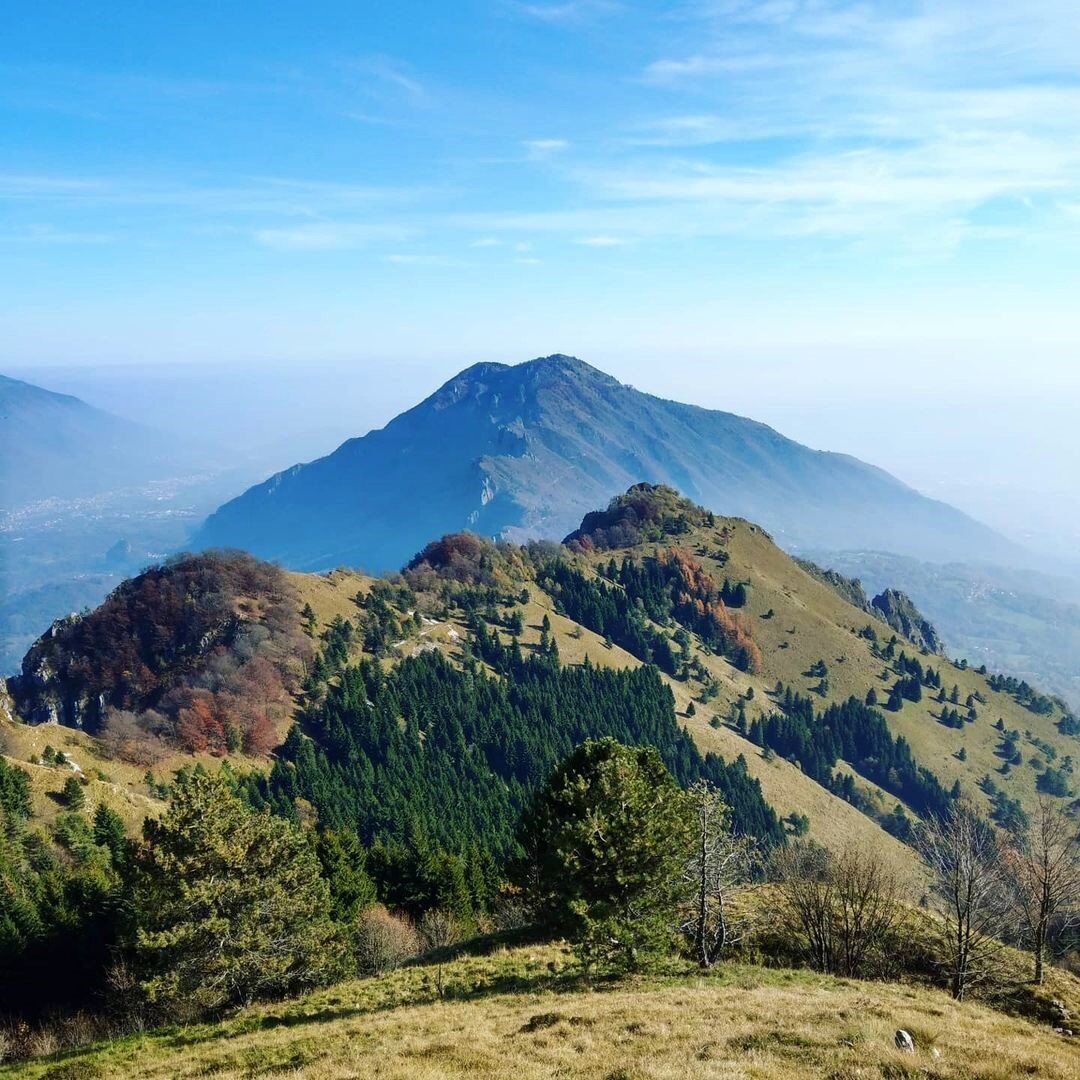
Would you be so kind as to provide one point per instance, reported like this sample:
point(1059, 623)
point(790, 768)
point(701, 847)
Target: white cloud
point(600, 241)
point(329, 236)
point(487, 242)
point(883, 118)
point(393, 73)
point(568, 12)
point(542, 149)
point(49, 234)
point(413, 259)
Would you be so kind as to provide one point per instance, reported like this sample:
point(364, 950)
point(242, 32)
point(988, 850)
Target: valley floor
point(525, 1013)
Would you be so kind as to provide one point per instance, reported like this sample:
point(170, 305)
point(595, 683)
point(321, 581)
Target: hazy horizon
point(1014, 473)
point(854, 221)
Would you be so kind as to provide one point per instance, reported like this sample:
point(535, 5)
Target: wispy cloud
point(880, 117)
point(410, 258)
point(544, 149)
point(50, 234)
point(570, 11)
point(600, 241)
point(393, 73)
point(330, 236)
point(287, 196)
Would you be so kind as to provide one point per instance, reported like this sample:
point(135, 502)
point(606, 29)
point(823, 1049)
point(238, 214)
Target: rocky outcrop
point(851, 589)
point(892, 607)
point(899, 611)
point(7, 706)
point(43, 694)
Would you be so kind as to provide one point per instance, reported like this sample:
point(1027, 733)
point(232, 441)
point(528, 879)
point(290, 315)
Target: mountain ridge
point(523, 451)
point(59, 446)
point(752, 620)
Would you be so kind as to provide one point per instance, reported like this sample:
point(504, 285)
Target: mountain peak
point(525, 451)
point(488, 381)
point(559, 365)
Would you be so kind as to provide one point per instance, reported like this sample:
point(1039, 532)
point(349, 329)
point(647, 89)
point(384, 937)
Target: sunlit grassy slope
point(527, 1013)
point(812, 622)
point(796, 620)
point(809, 621)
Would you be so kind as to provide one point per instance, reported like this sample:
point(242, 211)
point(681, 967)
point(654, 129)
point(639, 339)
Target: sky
point(856, 220)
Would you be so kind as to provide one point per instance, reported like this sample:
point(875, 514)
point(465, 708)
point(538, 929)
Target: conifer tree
point(109, 834)
point(229, 903)
point(608, 840)
point(73, 795)
point(343, 861)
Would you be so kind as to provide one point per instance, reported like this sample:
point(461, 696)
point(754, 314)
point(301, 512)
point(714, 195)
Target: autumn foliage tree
point(201, 653)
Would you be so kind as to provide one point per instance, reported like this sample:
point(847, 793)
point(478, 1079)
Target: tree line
point(433, 763)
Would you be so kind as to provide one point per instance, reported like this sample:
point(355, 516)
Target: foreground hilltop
point(398, 731)
point(526, 1012)
point(525, 451)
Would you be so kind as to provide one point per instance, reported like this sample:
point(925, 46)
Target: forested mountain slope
point(526, 451)
point(834, 715)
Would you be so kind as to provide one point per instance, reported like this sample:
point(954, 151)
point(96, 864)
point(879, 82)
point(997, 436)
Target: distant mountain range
point(57, 446)
point(85, 497)
point(524, 451)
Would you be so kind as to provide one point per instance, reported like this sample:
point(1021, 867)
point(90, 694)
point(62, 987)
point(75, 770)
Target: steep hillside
point(526, 451)
point(799, 622)
point(763, 663)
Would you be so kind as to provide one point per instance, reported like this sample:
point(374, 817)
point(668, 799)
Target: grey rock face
point(898, 610)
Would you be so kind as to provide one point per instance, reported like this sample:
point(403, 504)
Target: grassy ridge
point(795, 619)
point(527, 1012)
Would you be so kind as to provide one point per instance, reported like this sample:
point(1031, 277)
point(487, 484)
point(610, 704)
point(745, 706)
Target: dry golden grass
point(826, 628)
point(114, 783)
point(811, 622)
point(330, 594)
point(524, 1013)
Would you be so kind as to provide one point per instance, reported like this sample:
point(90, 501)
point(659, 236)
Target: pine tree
point(608, 839)
point(229, 904)
point(343, 861)
point(109, 833)
point(72, 793)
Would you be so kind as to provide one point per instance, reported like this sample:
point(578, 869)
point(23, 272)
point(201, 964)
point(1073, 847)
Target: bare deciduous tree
point(439, 929)
point(965, 857)
point(1044, 869)
point(848, 904)
point(721, 862)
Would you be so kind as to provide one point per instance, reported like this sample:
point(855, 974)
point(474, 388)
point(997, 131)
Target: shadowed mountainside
point(524, 452)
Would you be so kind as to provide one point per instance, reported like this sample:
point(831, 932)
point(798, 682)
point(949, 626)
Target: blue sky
point(746, 201)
